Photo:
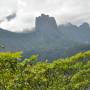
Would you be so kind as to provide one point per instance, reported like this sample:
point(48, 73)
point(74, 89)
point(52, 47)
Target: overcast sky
point(74, 11)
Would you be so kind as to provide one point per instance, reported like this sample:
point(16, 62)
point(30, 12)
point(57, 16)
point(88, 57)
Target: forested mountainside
point(72, 73)
point(47, 37)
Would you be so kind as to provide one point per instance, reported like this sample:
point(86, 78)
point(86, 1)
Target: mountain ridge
point(47, 37)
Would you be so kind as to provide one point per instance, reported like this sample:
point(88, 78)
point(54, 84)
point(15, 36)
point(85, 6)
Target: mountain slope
point(47, 39)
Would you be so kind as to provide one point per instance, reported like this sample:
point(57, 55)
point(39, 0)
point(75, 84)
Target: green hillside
point(72, 73)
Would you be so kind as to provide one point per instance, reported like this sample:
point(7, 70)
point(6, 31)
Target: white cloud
point(75, 11)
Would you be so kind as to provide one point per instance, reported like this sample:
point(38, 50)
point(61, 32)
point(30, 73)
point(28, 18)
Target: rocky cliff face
point(46, 26)
point(45, 22)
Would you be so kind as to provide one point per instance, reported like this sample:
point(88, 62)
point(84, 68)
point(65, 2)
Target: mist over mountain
point(78, 34)
point(48, 39)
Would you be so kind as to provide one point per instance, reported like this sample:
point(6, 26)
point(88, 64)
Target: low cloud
point(74, 11)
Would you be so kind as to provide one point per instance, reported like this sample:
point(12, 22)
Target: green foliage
point(72, 73)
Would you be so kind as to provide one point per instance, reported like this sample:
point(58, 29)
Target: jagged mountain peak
point(45, 22)
point(84, 26)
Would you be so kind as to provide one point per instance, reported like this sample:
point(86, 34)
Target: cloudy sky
point(74, 11)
